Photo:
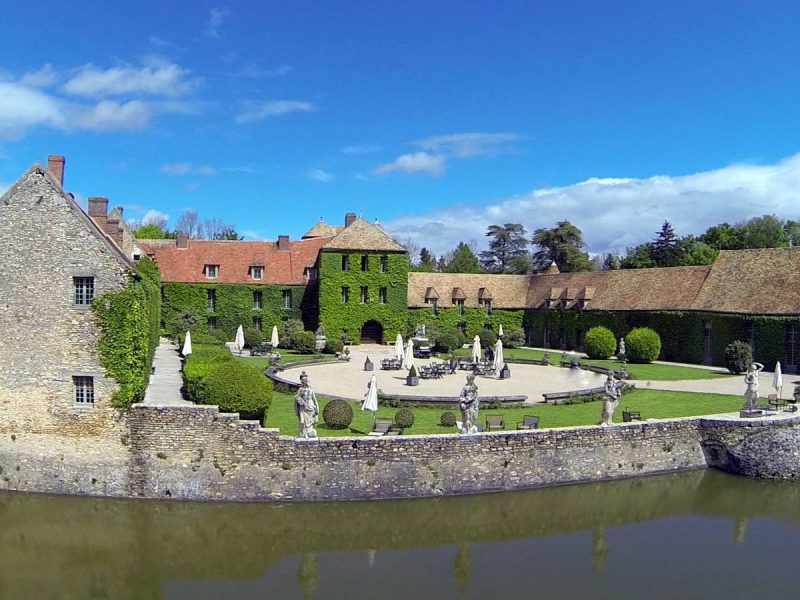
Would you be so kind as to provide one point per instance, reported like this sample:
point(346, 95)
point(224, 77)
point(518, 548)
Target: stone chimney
point(55, 164)
point(98, 211)
point(183, 240)
point(283, 242)
point(114, 226)
point(349, 218)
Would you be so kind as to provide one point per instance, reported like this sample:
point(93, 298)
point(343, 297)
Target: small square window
point(364, 294)
point(84, 390)
point(257, 272)
point(287, 299)
point(258, 300)
point(84, 290)
point(345, 294)
point(382, 295)
point(365, 263)
point(384, 263)
point(257, 323)
point(212, 271)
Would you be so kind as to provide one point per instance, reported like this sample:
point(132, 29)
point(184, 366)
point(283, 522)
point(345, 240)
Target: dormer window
point(311, 273)
point(257, 272)
point(211, 271)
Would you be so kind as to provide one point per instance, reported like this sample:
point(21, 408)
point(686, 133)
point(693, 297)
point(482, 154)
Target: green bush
point(488, 338)
point(333, 346)
point(599, 342)
point(287, 330)
point(642, 345)
point(204, 359)
point(337, 414)
point(222, 335)
point(514, 337)
point(238, 387)
point(447, 339)
point(305, 342)
point(738, 356)
point(404, 418)
point(412, 372)
point(253, 337)
point(448, 419)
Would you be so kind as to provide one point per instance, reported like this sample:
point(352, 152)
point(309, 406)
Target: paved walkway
point(166, 381)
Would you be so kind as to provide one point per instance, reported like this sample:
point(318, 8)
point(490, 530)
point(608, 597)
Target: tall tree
point(507, 251)
point(723, 237)
point(665, 249)
point(463, 260)
point(638, 257)
point(150, 232)
point(763, 232)
point(610, 262)
point(427, 261)
point(189, 224)
point(562, 244)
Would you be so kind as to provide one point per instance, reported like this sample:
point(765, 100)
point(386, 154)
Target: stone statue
point(469, 404)
point(751, 380)
point(610, 400)
point(621, 351)
point(306, 408)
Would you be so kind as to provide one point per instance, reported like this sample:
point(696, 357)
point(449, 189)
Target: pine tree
point(666, 250)
point(507, 248)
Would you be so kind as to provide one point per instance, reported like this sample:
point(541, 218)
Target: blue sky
point(436, 118)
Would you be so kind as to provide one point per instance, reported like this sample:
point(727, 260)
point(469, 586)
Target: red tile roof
point(282, 267)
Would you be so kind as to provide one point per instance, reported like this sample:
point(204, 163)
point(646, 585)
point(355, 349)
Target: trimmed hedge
point(404, 418)
point(738, 356)
point(337, 414)
point(642, 345)
point(238, 387)
point(305, 342)
point(599, 342)
point(447, 419)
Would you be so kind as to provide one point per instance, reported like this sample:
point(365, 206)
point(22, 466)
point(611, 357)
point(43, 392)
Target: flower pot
point(412, 380)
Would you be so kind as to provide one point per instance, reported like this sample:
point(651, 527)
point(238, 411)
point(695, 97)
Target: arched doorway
point(372, 333)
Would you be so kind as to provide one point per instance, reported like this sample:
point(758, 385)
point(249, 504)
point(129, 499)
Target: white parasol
point(500, 331)
point(370, 402)
point(499, 361)
point(274, 340)
point(238, 341)
point(476, 349)
point(187, 344)
point(408, 359)
point(398, 347)
point(777, 379)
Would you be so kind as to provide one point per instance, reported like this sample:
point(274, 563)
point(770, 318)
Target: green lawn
point(651, 403)
point(287, 356)
point(655, 372)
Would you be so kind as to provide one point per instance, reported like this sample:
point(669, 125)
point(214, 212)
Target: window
point(257, 272)
point(365, 263)
point(382, 295)
point(287, 299)
point(345, 262)
point(211, 300)
point(345, 294)
point(462, 326)
point(460, 306)
point(84, 390)
point(487, 304)
point(212, 323)
point(84, 290)
point(434, 304)
point(257, 323)
point(212, 271)
point(258, 300)
point(384, 263)
point(311, 273)
point(364, 294)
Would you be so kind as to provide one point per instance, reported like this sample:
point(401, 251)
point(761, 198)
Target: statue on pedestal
point(306, 408)
point(611, 394)
point(469, 405)
point(751, 380)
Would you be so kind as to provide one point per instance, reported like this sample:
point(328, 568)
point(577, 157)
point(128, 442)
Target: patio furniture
point(495, 423)
point(382, 427)
point(261, 349)
point(631, 415)
point(774, 402)
point(529, 422)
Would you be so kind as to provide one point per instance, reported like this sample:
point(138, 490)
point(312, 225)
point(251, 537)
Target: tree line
point(156, 227)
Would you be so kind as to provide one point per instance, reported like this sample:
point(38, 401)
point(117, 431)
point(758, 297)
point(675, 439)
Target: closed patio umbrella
point(238, 341)
point(187, 344)
point(408, 359)
point(500, 331)
point(370, 402)
point(777, 379)
point(499, 361)
point(274, 340)
point(476, 349)
point(398, 347)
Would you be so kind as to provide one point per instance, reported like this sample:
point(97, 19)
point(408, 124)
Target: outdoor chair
point(495, 422)
point(382, 426)
point(774, 402)
point(528, 422)
point(631, 415)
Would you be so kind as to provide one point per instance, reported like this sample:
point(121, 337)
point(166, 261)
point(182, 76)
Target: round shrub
point(222, 335)
point(738, 356)
point(333, 346)
point(404, 418)
point(514, 337)
point(337, 414)
point(448, 339)
point(599, 342)
point(253, 337)
point(488, 338)
point(305, 342)
point(642, 345)
point(448, 419)
point(238, 387)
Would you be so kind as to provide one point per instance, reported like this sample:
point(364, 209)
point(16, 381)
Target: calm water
point(693, 535)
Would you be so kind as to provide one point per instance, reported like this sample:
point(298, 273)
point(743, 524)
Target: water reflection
point(680, 532)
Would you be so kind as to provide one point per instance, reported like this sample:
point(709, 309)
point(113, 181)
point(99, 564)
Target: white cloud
point(183, 169)
point(614, 213)
point(256, 111)
point(216, 18)
point(154, 216)
point(44, 77)
point(462, 145)
point(359, 149)
point(320, 175)
point(109, 115)
point(23, 107)
point(418, 162)
point(155, 78)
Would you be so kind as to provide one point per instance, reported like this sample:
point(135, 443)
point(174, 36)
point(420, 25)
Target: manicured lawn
point(655, 372)
point(287, 356)
point(652, 404)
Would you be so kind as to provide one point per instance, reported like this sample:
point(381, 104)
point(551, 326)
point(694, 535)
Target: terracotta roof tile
point(508, 291)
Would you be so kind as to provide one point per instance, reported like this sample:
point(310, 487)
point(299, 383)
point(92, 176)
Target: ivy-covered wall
point(337, 316)
point(130, 322)
point(682, 333)
point(234, 305)
point(475, 319)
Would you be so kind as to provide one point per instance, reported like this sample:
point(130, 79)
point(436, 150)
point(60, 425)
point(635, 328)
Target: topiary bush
point(305, 342)
point(222, 335)
point(287, 330)
point(514, 337)
point(642, 345)
point(738, 356)
point(599, 342)
point(447, 339)
point(337, 414)
point(253, 337)
point(488, 338)
point(333, 346)
point(237, 387)
point(204, 359)
point(448, 419)
point(404, 418)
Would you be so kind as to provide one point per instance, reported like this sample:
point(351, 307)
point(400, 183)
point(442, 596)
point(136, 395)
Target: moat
point(698, 534)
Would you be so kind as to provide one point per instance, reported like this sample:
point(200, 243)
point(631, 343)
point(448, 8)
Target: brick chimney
point(98, 211)
point(349, 218)
point(283, 242)
point(114, 226)
point(183, 240)
point(55, 164)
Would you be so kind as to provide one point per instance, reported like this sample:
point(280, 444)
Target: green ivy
point(129, 332)
point(337, 316)
point(475, 319)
